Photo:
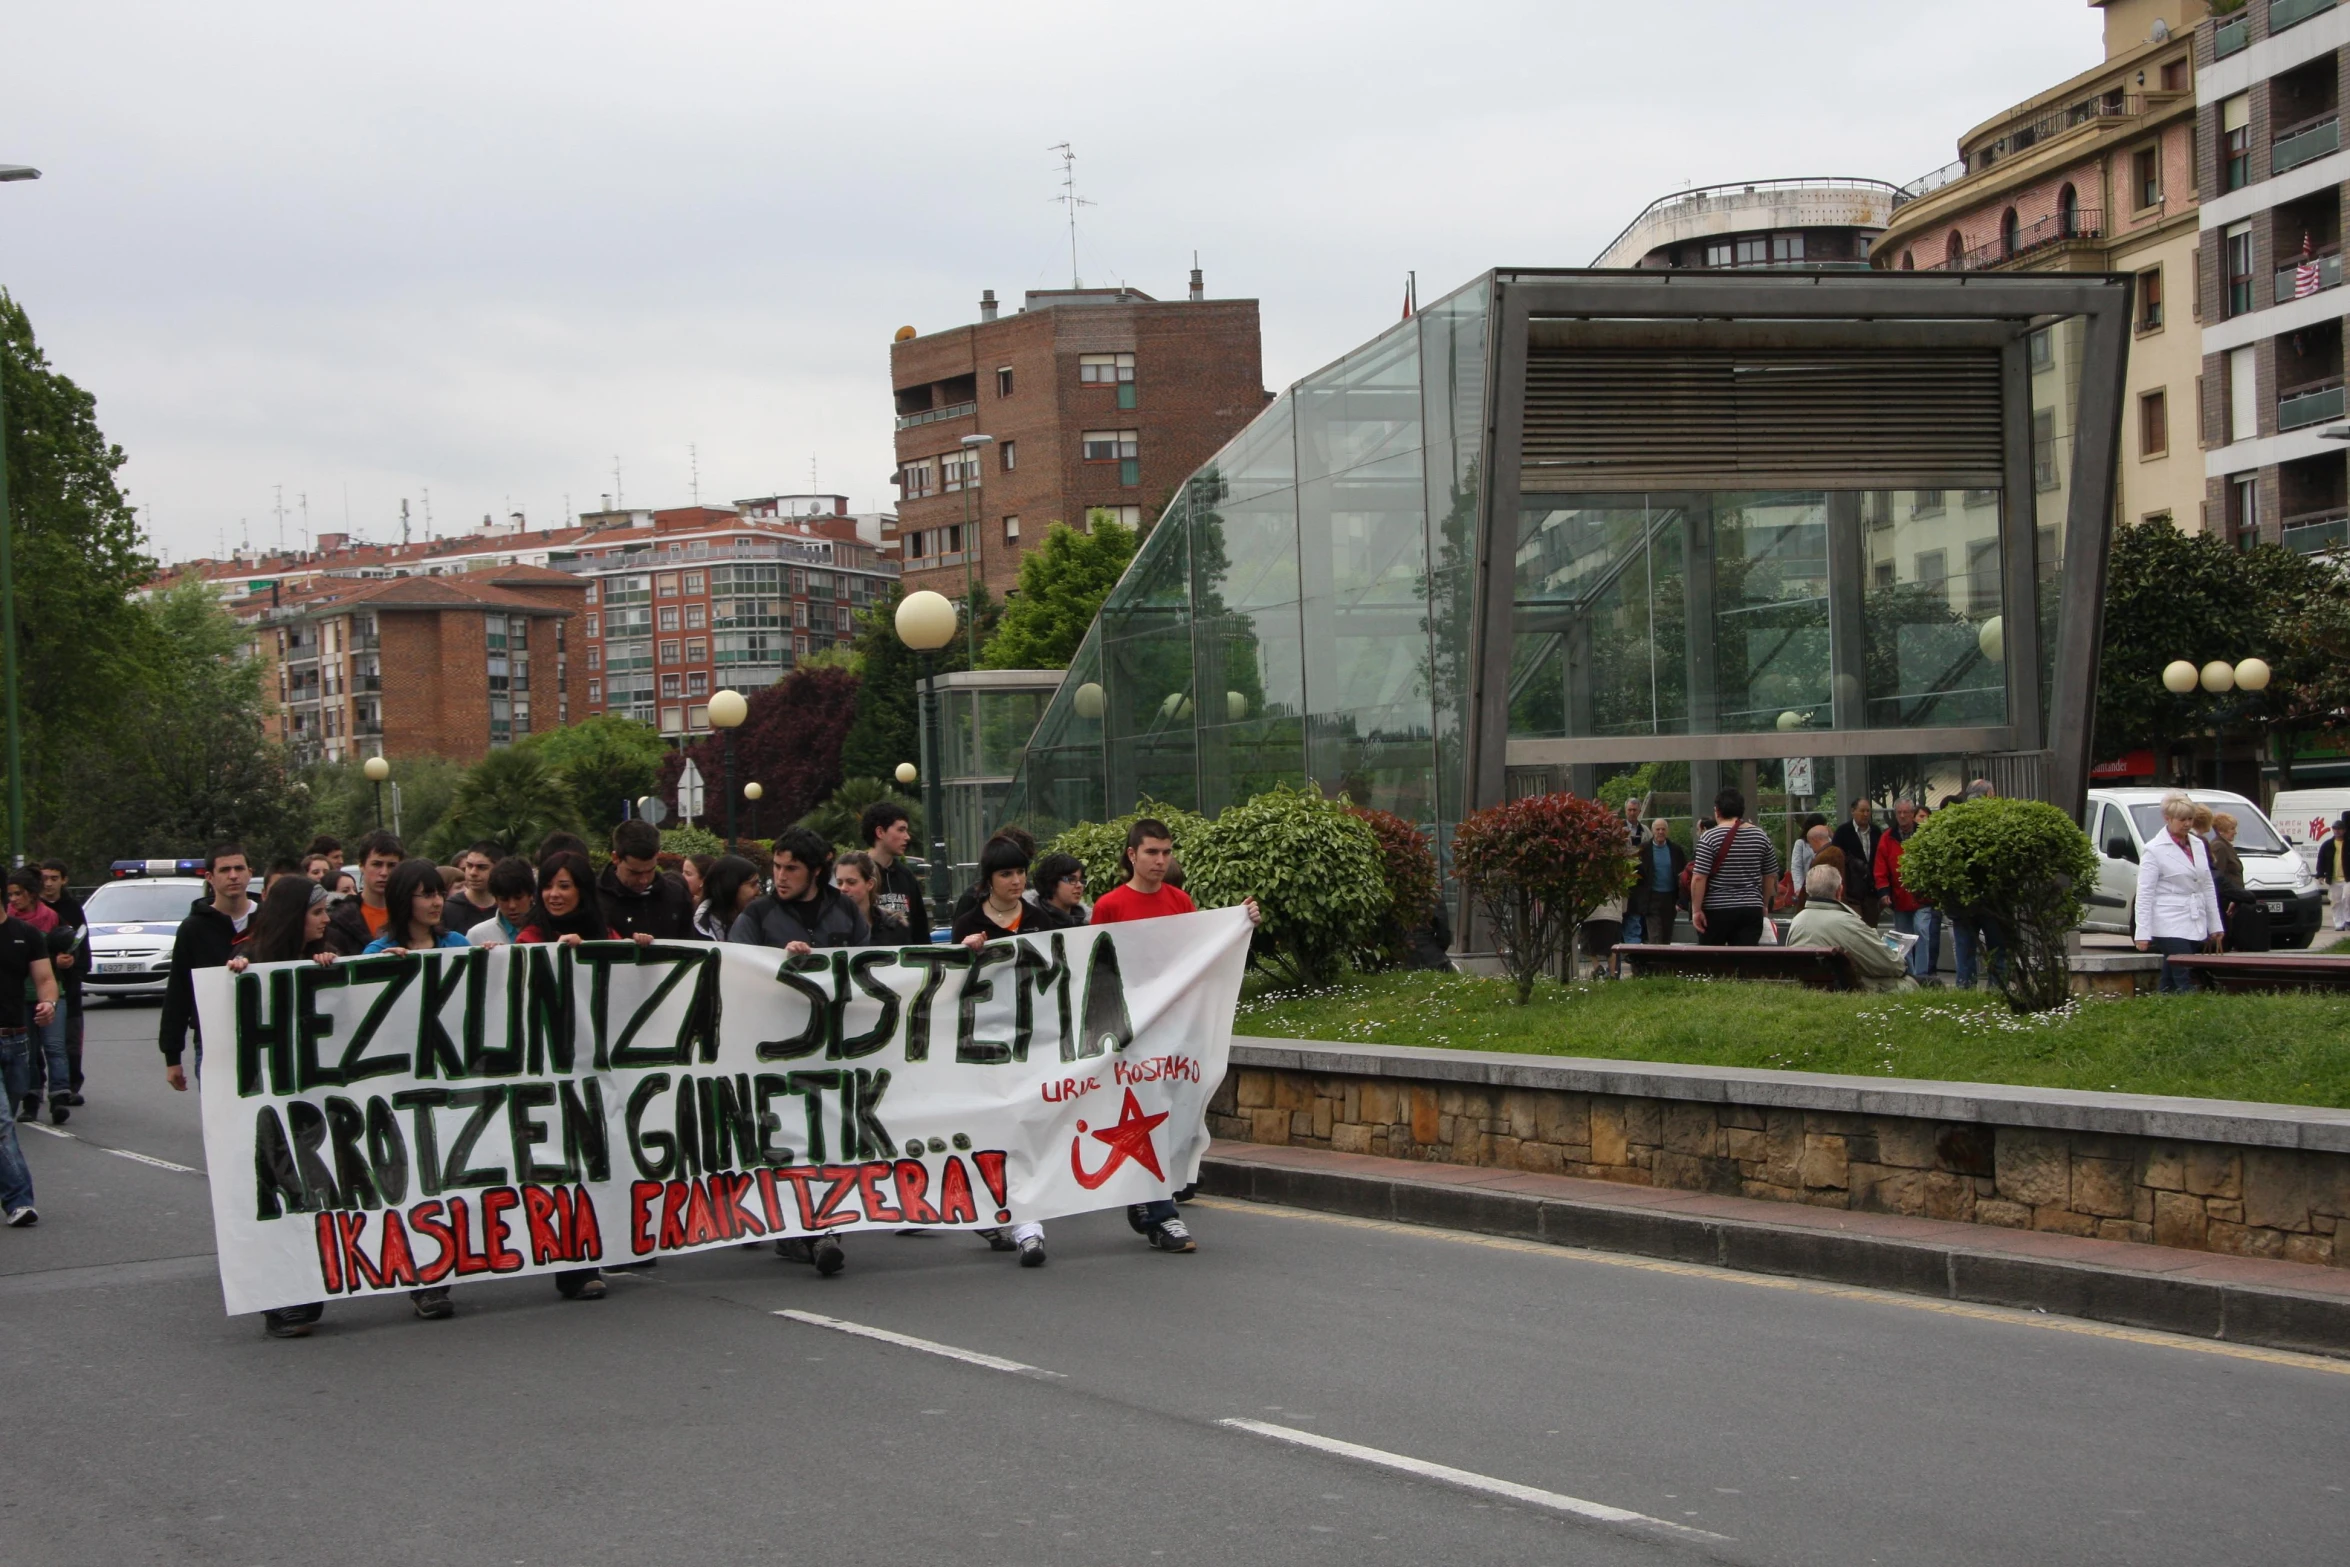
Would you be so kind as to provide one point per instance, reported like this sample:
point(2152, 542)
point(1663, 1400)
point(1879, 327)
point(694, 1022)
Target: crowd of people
point(803, 899)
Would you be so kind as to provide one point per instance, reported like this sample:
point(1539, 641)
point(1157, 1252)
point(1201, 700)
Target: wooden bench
point(1817, 968)
point(2268, 970)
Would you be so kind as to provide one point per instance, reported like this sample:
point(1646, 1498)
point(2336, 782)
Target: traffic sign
point(689, 790)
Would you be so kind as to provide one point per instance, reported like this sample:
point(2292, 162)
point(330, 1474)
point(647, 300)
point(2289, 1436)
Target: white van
point(2120, 822)
point(2305, 818)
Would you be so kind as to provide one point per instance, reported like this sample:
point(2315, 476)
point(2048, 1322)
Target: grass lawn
point(2286, 1049)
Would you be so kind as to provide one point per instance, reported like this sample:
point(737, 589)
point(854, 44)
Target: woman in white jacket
point(2178, 900)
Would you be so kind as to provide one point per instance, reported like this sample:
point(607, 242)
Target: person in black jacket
point(887, 831)
point(639, 897)
point(70, 965)
point(207, 938)
point(857, 879)
point(805, 911)
point(357, 921)
point(1656, 889)
point(1858, 838)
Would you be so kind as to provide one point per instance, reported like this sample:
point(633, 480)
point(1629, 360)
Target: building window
point(799, 582)
point(595, 690)
point(696, 617)
point(1934, 569)
point(1954, 252)
point(1111, 445)
point(2010, 233)
point(693, 582)
point(1008, 454)
point(2236, 258)
point(697, 682)
point(1909, 261)
point(1718, 255)
point(2243, 367)
point(840, 620)
point(2044, 475)
point(958, 469)
point(913, 545)
point(2244, 510)
point(2235, 142)
point(1129, 516)
point(2041, 349)
point(2146, 177)
point(2174, 79)
point(2154, 423)
point(2150, 300)
point(1881, 574)
point(1011, 530)
point(1982, 578)
point(666, 584)
point(697, 649)
point(672, 721)
point(668, 652)
point(591, 594)
point(595, 625)
point(799, 614)
point(1003, 381)
point(799, 644)
point(918, 478)
point(1104, 369)
point(595, 658)
point(1786, 247)
point(1925, 503)
point(670, 685)
point(669, 617)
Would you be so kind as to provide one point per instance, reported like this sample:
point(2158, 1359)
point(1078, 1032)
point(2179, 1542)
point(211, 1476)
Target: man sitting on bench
point(1826, 922)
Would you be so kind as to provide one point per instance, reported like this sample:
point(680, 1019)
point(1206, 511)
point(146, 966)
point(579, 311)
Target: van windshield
point(2252, 833)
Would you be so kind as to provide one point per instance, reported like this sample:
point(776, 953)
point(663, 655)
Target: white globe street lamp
point(728, 709)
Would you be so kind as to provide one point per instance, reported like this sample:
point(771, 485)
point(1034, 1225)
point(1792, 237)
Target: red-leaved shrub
point(1537, 868)
point(1408, 867)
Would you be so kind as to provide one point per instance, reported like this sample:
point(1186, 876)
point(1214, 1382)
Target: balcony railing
point(2284, 13)
point(2312, 531)
point(1927, 184)
point(2109, 106)
point(2329, 275)
point(2300, 145)
point(2058, 228)
point(2309, 405)
point(2231, 36)
point(933, 415)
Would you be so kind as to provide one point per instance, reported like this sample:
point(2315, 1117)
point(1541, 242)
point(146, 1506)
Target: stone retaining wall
point(1749, 1135)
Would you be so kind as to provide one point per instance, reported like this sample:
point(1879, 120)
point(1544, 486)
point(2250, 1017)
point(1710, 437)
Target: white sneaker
point(23, 1218)
point(1171, 1235)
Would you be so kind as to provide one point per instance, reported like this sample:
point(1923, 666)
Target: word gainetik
point(519, 1068)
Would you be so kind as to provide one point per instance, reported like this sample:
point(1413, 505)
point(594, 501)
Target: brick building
point(2268, 91)
point(448, 666)
point(2097, 174)
point(1099, 401)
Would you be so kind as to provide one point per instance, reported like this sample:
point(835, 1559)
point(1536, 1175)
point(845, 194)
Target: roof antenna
point(694, 457)
point(1070, 199)
point(619, 496)
point(280, 509)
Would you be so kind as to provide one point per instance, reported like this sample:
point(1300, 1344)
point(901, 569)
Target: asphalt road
point(682, 1421)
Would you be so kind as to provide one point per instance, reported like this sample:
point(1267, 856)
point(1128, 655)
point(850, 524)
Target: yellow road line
point(1767, 1281)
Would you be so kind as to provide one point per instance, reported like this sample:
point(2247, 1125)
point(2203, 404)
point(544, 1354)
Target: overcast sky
point(480, 250)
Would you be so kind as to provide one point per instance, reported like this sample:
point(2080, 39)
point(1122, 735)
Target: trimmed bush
point(1408, 873)
point(2019, 868)
point(1538, 867)
point(1314, 868)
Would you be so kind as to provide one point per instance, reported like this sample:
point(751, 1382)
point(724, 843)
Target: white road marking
point(1464, 1479)
point(119, 1153)
point(969, 1357)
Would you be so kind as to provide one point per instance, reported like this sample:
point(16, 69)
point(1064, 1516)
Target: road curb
point(2263, 1315)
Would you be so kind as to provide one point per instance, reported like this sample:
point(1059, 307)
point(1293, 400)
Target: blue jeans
point(16, 1179)
point(51, 1066)
point(1926, 925)
point(1632, 927)
point(1142, 1215)
point(2175, 980)
point(1967, 939)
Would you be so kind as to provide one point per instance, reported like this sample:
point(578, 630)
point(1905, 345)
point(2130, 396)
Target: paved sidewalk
point(2249, 1300)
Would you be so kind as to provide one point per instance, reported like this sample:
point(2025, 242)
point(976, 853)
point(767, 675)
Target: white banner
point(446, 1117)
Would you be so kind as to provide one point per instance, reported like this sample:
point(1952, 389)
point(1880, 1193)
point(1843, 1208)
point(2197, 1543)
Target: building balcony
point(2284, 13)
point(2307, 405)
point(2059, 228)
point(2304, 142)
point(367, 685)
point(2316, 531)
point(361, 640)
point(2109, 106)
point(2231, 36)
point(2328, 274)
point(934, 415)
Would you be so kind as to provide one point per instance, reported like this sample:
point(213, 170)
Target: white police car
point(132, 920)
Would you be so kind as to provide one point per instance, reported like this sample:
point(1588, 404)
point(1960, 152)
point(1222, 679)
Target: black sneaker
point(1172, 1236)
point(830, 1259)
point(58, 1113)
point(289, 1323)
point(433, 1305)
point(1032, 1252)
point(30, 1108)
point(23, 1218)
point(997, 1240)
point(581, 1284)
point(795, 1250)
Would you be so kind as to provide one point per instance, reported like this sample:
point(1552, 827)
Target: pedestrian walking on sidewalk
point(2178, 901)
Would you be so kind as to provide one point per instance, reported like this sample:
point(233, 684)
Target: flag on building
point(2306, 278)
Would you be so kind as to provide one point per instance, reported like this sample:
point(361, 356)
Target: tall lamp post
point(377, 770)
point(926, 623)
point(752, 792)
point(727, 712)
point(972, 545)
point(9, 174)
point(2219, 677)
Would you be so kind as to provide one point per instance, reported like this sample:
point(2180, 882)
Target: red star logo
point(1129, 1139)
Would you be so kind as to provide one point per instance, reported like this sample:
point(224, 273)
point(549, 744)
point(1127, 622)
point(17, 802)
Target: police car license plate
point(2276, 908)
point(114, 968)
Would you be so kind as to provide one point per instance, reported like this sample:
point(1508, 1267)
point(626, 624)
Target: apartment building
point(733, 600)
point(1086, 402)
point(422, 665)
point(2097, 174)
point(2268, 92)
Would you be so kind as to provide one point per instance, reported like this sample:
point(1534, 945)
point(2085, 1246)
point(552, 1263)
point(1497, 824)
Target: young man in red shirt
point(1150, 854)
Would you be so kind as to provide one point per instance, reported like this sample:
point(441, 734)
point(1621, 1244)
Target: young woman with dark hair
point(416, 898)
point(289, 925)
point(857, 878)
point(567, 910)
point(729, 884)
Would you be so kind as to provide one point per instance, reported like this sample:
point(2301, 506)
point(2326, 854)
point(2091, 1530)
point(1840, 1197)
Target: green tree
point(1098, 846)
point(883, 731)
point(342, 800)
point(1062, 584)
point(511, 797)
point(605, 761)
point(839, 818)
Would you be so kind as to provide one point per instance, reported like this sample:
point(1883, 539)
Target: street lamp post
point(752, 792)
point(9, 174)
point(972, 445)
point(377, 770)
point(2181, 676)
point(727, 711)
point(926, 623)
